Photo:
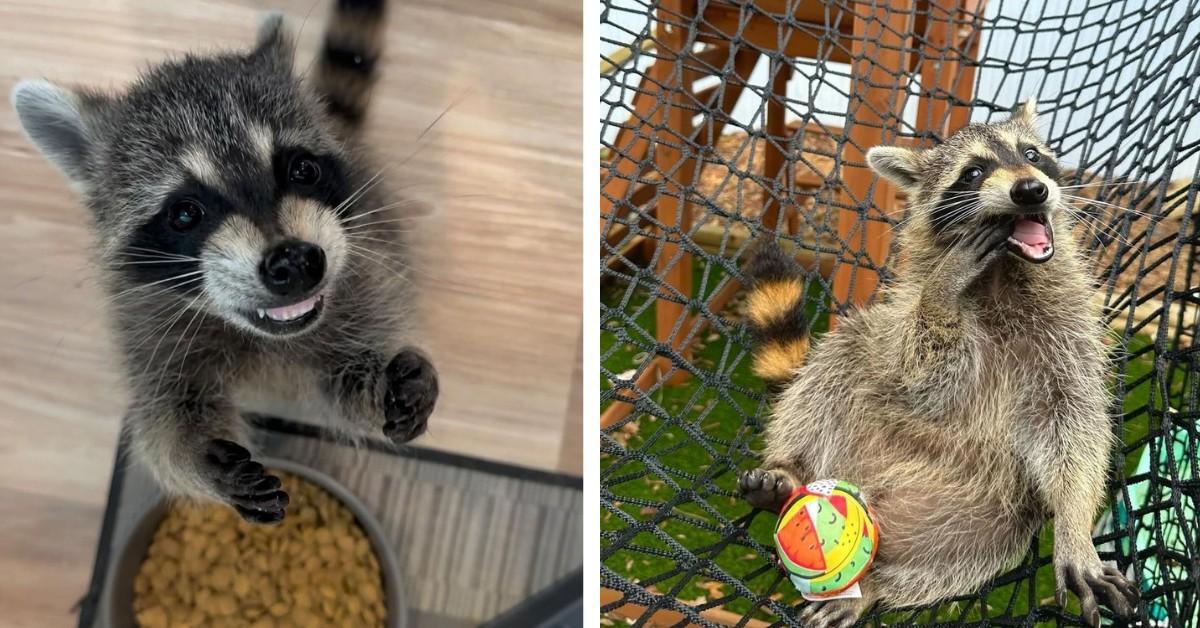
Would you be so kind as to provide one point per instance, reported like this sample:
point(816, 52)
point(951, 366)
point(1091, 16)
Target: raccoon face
point(998, 176)
point(215, 182)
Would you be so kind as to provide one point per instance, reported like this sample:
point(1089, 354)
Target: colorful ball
point(826, 538)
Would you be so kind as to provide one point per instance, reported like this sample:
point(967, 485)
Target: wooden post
point(674, 266)
point(967, 38)
point(774, 159)
point(882, 36)
point(940, 65)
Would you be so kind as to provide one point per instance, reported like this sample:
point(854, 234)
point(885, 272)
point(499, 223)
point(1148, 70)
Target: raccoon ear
point(56, 120)
point(1026, 111)
point(274, 40)
point(901, 166)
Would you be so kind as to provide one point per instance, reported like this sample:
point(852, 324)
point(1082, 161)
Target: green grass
point(701, 452)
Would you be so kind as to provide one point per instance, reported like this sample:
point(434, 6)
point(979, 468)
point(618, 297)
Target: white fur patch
point(264, 143)
point(196, 162)
point(230, 261)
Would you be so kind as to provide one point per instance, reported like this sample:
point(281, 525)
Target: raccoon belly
point(952, 514)
point(287, 393)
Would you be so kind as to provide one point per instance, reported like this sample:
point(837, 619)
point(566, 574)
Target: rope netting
point(722, 119)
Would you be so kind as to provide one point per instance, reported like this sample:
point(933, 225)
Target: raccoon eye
point(970, 174)
point(185, 214)
point(1032, 155)
point(304, 170)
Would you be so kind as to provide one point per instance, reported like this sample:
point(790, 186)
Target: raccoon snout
point(292, 268)
point(1029, 192)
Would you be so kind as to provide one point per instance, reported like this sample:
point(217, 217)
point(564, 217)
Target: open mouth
point(1032, 238)
point(288, 319)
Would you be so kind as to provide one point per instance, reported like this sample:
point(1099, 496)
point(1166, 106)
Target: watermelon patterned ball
point(826, 538)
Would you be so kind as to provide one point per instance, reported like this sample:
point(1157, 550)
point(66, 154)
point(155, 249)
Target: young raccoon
point(970, 404)
point(253, 261)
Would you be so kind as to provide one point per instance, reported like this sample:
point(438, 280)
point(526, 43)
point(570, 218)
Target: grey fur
point(969, 405)
point(194, 359)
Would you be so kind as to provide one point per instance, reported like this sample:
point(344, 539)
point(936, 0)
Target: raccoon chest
point(293, 393)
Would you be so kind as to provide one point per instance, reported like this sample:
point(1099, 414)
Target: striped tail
point(776, 311)
point(353, 45)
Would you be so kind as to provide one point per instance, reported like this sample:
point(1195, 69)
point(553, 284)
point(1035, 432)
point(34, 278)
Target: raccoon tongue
point(1031, 233)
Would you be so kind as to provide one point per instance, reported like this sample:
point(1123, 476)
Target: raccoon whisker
point(938, 203)
point(937, 200)
point(385, 236)
point(163, 336)
point(371, 256)
point(394, 260)
point(188, 349)
point(908, 217)
point(1103, 204)
point(456, 102)
point(360, 236)
point(158, 253)
point(1098, 231)
point(1097, 225)
point(122, 293)
point(396, 219)
point(166, 289)
point(169, 256)
point(380, 209)
point(961, 215)
point(935, 204)
point(421, 145)
point(147, 335)
point(157, 261)
point(1084, 199)
point(1102, 182)
point(365, 251)
point(175, 348)
point(378, 222)
point(363, 189)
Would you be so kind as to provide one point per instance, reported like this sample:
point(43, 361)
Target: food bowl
point(128, 559)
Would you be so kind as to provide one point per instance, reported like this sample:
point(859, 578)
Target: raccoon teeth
point(290, 312)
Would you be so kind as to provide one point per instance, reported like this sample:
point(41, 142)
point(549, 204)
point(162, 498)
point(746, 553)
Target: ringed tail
point(346, 66)
point(775, 309)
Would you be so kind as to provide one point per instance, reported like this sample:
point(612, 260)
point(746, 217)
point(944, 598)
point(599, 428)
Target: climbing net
point(722, 119)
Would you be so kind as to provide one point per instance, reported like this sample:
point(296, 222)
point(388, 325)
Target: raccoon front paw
point(244, 483)
point(1097, 579)
point(977, 250)
point(412, 391)
point(765, 488)
point(841, 613)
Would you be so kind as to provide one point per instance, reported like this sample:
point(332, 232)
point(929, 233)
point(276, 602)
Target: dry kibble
point(153, 617)
point(206, 566)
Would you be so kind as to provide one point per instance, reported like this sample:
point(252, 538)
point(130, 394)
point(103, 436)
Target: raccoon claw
point(831, 614)
point(1118, 593)
point(243, 483)
point(412, 391)
point(765, 489)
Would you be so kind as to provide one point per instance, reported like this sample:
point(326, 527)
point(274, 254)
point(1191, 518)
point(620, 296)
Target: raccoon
point(970, 404)
point(252, 257)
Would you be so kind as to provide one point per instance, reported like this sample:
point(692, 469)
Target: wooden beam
point(775, 164)
point(674, 265)
point(882, 35)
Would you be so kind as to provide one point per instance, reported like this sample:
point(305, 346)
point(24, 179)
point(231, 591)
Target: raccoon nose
point(292, 268)
point(1029, 192)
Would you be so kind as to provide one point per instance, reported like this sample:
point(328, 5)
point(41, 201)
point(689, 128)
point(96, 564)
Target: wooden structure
point(932, 41)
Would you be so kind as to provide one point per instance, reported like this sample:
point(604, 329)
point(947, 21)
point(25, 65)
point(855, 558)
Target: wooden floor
point(503, 309)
